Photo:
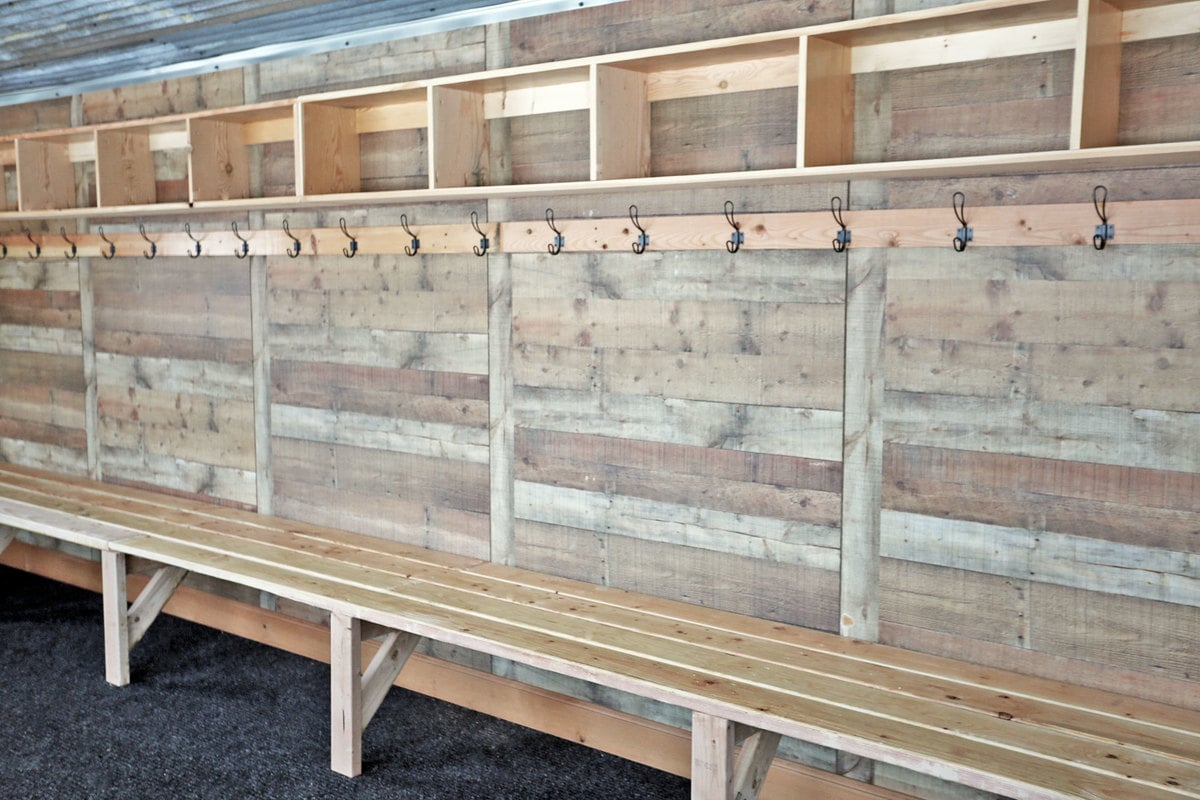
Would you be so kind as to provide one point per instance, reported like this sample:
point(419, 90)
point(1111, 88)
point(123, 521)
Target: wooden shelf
point(602, 115)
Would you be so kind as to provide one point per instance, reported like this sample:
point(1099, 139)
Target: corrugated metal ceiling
point(54, 48)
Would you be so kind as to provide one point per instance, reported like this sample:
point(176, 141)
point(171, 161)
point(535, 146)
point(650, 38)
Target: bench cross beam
point(124, 627)
point(356, 695)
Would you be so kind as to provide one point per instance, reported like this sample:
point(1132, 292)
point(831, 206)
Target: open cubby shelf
point(442, 145)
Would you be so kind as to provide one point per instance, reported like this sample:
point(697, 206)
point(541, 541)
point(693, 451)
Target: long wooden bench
point(746, 681)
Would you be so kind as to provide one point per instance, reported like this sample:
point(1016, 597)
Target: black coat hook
point(643, 240)
point(843, 236)
point(294, 250)
point(74, 251)
point(555, 247)
point(153, 247)
point(413, 246)
point(37, 248)
point(1105, 230)
point(964, 234)
point(194, 252)
point(244, 250)
point(481, 248)
point(737, 238)
point(3, 250)
point(112, 248)
point(353, 251)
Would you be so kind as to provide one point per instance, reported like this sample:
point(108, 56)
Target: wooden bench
point(746, 681)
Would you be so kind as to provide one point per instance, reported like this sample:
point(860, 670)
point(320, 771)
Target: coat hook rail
point(112, 248)
point(482, 248)
point(414, 243)
point(353, 250)
point(737, 237)
point(36, 252)
point(153, 247)
point(843, 236)
point(1105, 230)
point(193, 252)
point(965, 233)
point(294, 250)
point(556, 246)
point(244, 249)
point(74, 251)
point(643, 239)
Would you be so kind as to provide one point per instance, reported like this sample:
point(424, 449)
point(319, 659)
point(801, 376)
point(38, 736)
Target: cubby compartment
point(141, 165)
point(694, 111)
point(362, 142)
point(548, 114)
point(952, 84)
point(56, 171)
point(228, 149)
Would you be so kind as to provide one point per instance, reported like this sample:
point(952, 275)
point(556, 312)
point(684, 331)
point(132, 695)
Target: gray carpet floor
point(210, 715)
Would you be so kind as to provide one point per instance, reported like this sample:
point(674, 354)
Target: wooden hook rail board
point(1061, 225)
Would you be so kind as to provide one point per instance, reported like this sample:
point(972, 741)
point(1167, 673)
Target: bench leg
point(345, 673)
point(116, 618)
point(355, 695)
point(716, 775)
point(124, 627)
point(6, 538)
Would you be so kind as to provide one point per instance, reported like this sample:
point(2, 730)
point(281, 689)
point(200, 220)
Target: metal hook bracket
point(74, 251)
point(414, 244)
point(965, 233)
point(643, 239)
point(294, 250)
point(1105, 230)
point(353, 251)
point(244, 250)
point(555, 247)
point(153, 247)
point(737, 238)
point(112, 248)
point(37, 248)
point(481, 248)
point(194, 253)
point(843, 237)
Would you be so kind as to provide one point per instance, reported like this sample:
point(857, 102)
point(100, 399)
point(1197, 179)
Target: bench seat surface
point(996, 730)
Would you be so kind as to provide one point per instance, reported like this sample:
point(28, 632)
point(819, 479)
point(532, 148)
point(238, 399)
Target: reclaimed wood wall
point(992, 455)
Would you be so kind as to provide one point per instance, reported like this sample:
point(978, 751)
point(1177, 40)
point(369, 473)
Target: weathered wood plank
point(203, 378)
point(393, 434)
point(170, 472)
point(437, 352)
point(30, 339)
point(805, 433)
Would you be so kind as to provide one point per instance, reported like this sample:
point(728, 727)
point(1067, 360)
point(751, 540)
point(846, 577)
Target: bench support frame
point(6, 538)
point(124, 627)
point(716, 773)
point(355, 695)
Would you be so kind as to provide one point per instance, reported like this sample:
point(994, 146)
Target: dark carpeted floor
point(210, 715)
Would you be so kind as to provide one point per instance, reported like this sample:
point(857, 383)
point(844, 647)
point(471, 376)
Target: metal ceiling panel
point(56, 48)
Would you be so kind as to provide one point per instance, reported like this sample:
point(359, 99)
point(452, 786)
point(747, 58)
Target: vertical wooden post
point(260, 342)
point(116, 618)
point(862, 442)
point(91, 402)
point(1096, 93)
point(712, 757)
point(346, 708)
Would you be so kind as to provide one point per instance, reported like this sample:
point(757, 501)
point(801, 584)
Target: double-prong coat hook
point(555, 247)
point(643, 239)
point(195, 251)
point(737, 238)
point(353, 250)
point(481, 248)
point(112, 248)
point(1105, 230)
point(294, 250)
point(153, 247)
point(843, 236)
point(965, 233)
point(414, 244)
point(74, 251)
point(37, 248)
point(244, 250)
